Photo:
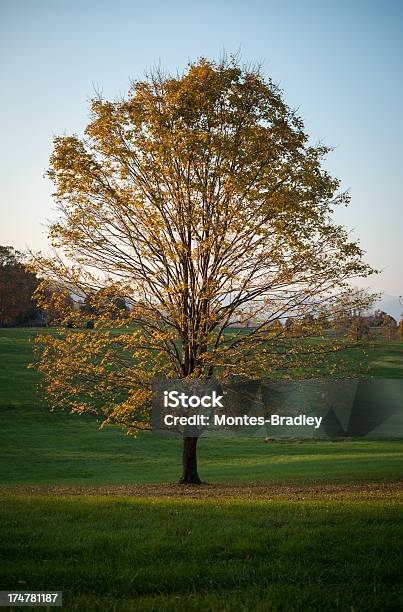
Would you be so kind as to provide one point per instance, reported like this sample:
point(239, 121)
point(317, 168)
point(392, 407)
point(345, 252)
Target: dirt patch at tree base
point(205, 491)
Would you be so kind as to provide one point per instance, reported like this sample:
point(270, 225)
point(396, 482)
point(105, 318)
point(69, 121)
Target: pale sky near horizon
point(339, 63)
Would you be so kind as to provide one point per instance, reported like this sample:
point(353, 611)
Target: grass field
point(39, 447)
point(186, 554)
point(42, 448)
point(289, 526)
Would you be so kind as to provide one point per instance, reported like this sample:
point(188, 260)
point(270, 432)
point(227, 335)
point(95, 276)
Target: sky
point(338, 63)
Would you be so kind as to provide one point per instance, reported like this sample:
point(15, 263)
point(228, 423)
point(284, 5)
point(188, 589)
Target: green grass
point(39, 447)
point(314, 551)
point(122, 554)
point(17, 383)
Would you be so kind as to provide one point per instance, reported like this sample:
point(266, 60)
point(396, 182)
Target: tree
point(195, 199)
point(96, 302)
point(386, 324)
point(389, 327)
point(401, 319)
point(381, 319)
point(16, 288)
point(359, 328)
point(55, 300)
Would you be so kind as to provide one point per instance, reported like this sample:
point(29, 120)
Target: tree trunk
point(189, 462)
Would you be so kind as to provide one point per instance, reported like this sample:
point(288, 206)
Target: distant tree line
point(20, 306)
point(17, 286)
point(359, 326)
point(355, 324)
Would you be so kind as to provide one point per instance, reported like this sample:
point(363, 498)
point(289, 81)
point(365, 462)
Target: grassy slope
point(42, 447)
point(38, 447)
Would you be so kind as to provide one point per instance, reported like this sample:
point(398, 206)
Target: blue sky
point(339, 63)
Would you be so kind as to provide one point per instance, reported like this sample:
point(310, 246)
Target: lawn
point(118, 553)
point(42, 448)
point(39, 447)
point(287, 526)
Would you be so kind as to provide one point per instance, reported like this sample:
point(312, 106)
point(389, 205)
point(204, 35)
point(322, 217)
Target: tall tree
point(200, 201)
point(16, 288)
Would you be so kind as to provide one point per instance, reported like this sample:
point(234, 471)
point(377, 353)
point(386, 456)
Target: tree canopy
point(200, 201)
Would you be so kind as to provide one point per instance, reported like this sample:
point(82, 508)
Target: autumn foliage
point(199, 201)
